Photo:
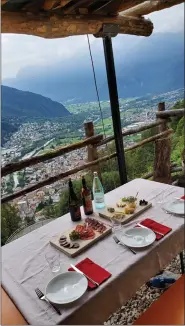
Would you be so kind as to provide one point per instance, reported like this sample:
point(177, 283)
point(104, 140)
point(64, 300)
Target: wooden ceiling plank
point(148, 7)
point(60, 5)
point(48, 4)
point(75, 5)
point(101, 6)
point(126, 4)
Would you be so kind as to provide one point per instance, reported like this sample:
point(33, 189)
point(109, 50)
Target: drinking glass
point(53, 260)
point(116, 226)
point(164, 197)
point(159, 199)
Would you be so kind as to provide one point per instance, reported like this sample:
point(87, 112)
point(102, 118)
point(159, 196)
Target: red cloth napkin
point(94, 271)
point(155, 226)
point(183, 197)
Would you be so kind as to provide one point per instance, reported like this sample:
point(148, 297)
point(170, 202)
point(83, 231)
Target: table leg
point(182, 262)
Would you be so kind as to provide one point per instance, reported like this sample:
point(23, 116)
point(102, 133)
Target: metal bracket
point(110, 30)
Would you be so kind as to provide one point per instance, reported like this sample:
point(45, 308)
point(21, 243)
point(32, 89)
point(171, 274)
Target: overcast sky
point(19, 51)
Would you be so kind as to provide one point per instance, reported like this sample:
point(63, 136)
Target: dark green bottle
point(74, 204)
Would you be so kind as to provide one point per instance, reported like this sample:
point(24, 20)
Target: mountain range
point(17, 103)
point(143, 65)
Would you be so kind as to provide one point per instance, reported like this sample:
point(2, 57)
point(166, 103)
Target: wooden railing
point(162, 166)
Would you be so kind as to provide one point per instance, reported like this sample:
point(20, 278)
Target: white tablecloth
point(24, 266)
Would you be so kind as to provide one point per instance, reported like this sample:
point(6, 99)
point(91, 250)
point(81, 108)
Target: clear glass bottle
point(98, 192)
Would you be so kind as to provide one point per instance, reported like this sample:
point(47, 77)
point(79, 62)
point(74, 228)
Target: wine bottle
point(74, 205)
point(86, 198)
point(98, 192)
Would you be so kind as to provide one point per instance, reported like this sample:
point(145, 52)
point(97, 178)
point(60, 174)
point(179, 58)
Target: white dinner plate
point(137, 237)
point(66, 287)
point(176, 207)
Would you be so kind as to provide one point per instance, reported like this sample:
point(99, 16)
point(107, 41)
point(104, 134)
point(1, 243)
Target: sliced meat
point(76, 245)
point(66, 245)
point(95, 225)
point(63, 237)
point(63, 243)
point(64, 240)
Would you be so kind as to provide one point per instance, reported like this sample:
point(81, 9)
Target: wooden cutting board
point(128, 217)
point(84, 244)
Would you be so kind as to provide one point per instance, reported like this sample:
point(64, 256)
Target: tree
point(50, 201)
point(9, 188)
point(30, 219)
point(40, 206)
point(175, 120)
point(10, 184)
point(110, 180)
point(10, 221)
point(50, 212)
point(178, 142)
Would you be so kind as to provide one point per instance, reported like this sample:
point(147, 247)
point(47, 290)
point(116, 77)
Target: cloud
point(168, 20)
point(19, 51)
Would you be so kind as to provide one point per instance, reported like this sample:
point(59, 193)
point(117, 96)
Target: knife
point(90, 279)
point(145, 227)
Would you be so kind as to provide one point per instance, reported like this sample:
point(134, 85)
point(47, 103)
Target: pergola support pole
point(114, 102)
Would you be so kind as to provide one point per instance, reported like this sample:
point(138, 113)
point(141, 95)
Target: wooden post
point(162, 153)
point(92, 153)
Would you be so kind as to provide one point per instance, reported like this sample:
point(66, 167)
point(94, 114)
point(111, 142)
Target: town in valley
point(35, 137)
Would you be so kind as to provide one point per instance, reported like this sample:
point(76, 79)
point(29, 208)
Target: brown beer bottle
point(86, 198)
point(74, 205)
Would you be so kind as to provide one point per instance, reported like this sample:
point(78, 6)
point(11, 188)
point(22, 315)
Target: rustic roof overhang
point(61, 18)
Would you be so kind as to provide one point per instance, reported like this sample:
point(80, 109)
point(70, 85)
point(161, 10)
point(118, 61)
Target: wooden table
point(24, 266)
point(168, 309)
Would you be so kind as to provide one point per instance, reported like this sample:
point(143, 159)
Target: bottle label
point(75, 212)
point(99, 199)
point(87, 203)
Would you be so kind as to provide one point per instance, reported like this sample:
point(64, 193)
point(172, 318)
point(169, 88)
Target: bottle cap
point(95, 173)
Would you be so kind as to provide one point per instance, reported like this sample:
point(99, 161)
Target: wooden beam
point(170, 113)
point(132, 131)
point(13, 167)
point(55, 178)
point(147, 7)
point(80, 168)
point(162, 153)
point(56, 26)
point(149, 140)
point(173, 166)
point(92, 153)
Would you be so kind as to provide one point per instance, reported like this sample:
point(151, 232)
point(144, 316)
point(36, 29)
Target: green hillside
point(16, 103)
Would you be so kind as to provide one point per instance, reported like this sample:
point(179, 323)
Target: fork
point(121, 243)
point(41, 296)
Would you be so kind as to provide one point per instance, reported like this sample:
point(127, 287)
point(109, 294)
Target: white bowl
point(66, 287)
